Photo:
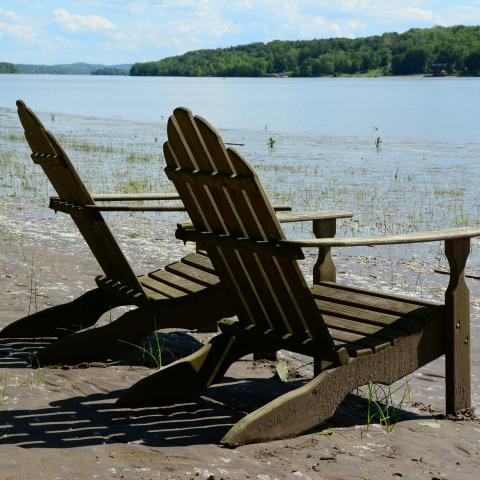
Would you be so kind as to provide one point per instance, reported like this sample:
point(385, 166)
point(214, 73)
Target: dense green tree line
point(79, 68)
point(110, 71)
point(412, 52)
point(8, 68)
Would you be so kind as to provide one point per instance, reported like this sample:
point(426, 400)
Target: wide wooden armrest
point(61, 206)
point(135, 208)
point(146, 208)
point(306, 216)
point(129, 197)
point(433, 236)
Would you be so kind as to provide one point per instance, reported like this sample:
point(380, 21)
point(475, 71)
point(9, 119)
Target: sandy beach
point(61, 423)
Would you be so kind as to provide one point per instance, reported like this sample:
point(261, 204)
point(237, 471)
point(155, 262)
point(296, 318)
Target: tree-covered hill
point(448, 49)
point(8, 68)
point(79, 68)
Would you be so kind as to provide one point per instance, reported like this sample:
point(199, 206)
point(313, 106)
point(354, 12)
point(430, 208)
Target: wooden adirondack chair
point(355, 336)
point(185, 294)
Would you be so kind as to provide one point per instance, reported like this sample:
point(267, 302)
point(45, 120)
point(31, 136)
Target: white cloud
point(463, 14)
point(121, 37)
point(22, 32)
point(293, 19)
point(414, 14)
point(137, 8)
point(78, 23)
point(10, 15)
point(183, 34)
point(393, 9)
point(19, 27)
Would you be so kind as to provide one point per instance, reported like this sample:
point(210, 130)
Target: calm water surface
point(425, 175)
point(430, 109)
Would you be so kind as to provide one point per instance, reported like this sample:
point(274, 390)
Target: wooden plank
point(188, 199)
point(135, 208)
point(105, 248)
point(75, 189)
point(299, 295)
point(67, 207)
point(225, 193)
point(430, 236)
point(176, 281)
point(191, 136)
point(361, 328)
point(457, 308)
point(302, 409)
point(36, 138)
point(324, 268)
point(238, 243)
point(194, 274)
point(377, 344)
point(200, 261)
point(211, 179)
point(307, 216)
point(155, 296)
point(128, 197)
point(162, 288)
point(70, 188)
point(381, 303)
point(356, 351)
point(404, 324)
point(375, 294)
point(254, 204)
point(195, 193)
point(240, 268)
point(211, 164)
point(248, 213)
point(128, 295)
point(211, 200)
point(114, 197)
point(243, 309)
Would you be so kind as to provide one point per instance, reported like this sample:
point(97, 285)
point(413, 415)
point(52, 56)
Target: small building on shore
point(439, 69)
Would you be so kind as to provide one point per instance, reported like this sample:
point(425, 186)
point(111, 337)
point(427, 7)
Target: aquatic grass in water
point(399, 188)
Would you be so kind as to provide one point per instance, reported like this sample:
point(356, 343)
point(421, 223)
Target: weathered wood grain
point(457, 328)
point(431, 236)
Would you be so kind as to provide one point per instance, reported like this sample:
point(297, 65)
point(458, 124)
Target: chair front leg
point(457, 307)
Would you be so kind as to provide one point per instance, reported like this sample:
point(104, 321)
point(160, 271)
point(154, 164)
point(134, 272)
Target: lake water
point(426, 109)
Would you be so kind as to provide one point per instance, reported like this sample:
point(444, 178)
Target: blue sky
point(116, 31)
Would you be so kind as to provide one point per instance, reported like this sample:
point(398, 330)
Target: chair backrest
point(227, 204)
point(47, 152)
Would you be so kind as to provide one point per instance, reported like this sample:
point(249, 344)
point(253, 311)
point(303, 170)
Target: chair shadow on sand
point(95, 419)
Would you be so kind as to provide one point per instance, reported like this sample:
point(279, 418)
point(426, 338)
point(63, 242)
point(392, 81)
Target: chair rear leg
point(101, 343)
point(181, 379)
point(120, 336)
point(60, 320)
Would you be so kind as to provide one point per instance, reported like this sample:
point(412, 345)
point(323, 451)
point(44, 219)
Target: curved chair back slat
point(230, 210)
point(48, 153)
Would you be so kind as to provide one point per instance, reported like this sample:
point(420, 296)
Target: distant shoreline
point(343, 75)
